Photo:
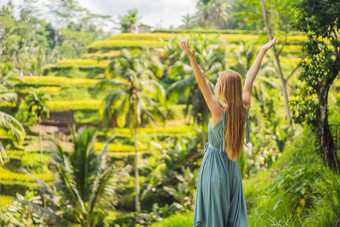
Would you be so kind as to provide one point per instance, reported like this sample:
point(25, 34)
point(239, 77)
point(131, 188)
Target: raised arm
point(212, 102)
point(251, 74)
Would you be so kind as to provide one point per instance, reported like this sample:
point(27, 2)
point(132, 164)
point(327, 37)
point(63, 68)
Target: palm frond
point(123, 111)
point(44, 213)
point(154, 90)
point(103, 172)
point(108, 83)
point(179, 86)
point(112, 102)
point(3, 153)
point(47, 188)
point(83, 159)
point(12, 126)
point(65, 173)
point(8, 97)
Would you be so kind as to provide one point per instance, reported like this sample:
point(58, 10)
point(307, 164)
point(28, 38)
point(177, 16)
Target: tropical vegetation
point(104, 129)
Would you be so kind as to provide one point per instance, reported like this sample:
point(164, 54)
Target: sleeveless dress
point(220, 199)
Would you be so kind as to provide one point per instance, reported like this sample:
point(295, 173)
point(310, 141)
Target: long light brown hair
point(229, 91)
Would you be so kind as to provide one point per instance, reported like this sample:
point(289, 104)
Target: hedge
point(10, 188)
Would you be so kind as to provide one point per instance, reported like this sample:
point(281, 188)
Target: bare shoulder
point(217, 115)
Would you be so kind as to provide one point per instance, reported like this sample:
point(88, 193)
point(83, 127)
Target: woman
point(220, 197)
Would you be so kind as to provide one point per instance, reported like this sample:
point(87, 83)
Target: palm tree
point(132, 100)
point(188, 21)
point(128, 22)
point(83, 177)
point(37, 103)
point(213, 13)
point(84, 181)
point(211, 59)
point(8, 124)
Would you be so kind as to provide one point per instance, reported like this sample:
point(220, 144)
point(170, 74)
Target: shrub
point(10, 188)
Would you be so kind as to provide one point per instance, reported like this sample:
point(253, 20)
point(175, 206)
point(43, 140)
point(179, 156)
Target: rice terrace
point(110, 118)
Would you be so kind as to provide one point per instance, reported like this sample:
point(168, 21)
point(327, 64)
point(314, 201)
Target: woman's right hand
point(186, 48)
point(268, 45)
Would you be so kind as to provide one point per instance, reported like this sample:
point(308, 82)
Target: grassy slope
point(321, 200)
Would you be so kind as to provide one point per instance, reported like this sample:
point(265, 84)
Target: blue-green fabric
point(220, 199)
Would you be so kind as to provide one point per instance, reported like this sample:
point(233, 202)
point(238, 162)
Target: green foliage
point(83, 181)
point(128, 21)
point(19, 215)
point(13, 187)
point(320, 20)
point(293, 191)
point(9, 126)
point(176, 220)
point(327, 200)
point(32, 162)
point(296, 183)
point(211, 59)
point(74, 43)
point(128, 101)
point(123, 220)
point(119, 44)
point(203, 31)
point(59, 81)
point(305, 108)
point(170, 180)
point(36, 103)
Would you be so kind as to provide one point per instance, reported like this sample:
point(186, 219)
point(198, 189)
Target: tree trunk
point(42, 161)
point(41, 153)
point(278, 64)
point(137, 205)
point(325, 138)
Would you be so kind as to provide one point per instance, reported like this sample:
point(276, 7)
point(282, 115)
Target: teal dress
point(220, 197)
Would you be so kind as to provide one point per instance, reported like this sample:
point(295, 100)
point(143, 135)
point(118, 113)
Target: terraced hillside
point(70, 84)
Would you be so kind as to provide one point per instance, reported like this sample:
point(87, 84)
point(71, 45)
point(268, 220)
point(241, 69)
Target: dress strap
point(223, 126)
point(247, 127)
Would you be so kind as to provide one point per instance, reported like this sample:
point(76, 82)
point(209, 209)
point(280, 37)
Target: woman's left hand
point(186, 48)
point(268, 45)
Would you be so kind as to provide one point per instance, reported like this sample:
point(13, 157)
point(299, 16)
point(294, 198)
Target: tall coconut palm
point(211, 58)
point(132, 101)
point(8, 124)
point(37, 103)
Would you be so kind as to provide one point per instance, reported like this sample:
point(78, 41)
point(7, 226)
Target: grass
point(113, 147)
point(183, 129)
point(118, 44)
point(152, 40)
point(6, 175)
point(6, 200)
point(81, 62)
point(318, 206)
point(59, 81)
point(50, 90)
point(167, 36)
point(100, 55)
point(176, 220)
point(74, 105)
